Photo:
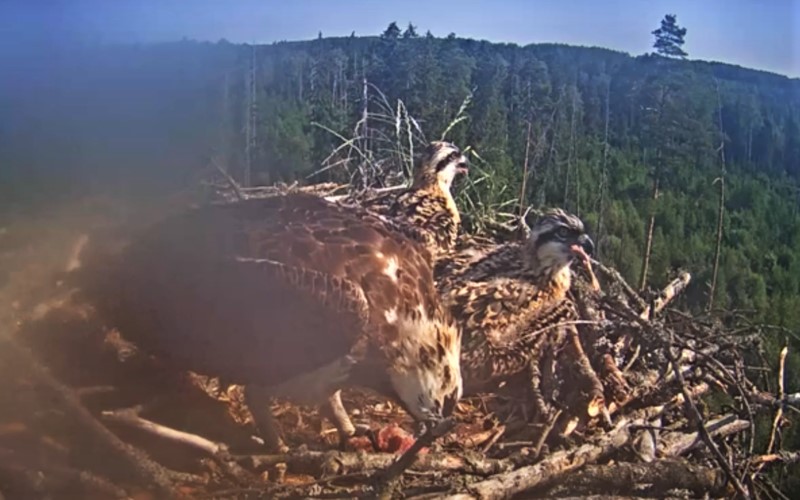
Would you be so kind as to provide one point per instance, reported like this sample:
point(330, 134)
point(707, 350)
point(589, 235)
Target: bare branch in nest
point(148, 471)
point(617, 278)
point(779, 412)
point(703, 430)
point(666, 296)
point(785, 457)
point(335, 463)
point(675, 444)
point(771, 401)
point(549, 470)
point(660, 477)
point(614, 379)
point(372, 193)
point(237, 190)
point(130, 417)
point(537, 451)
point(596, 400)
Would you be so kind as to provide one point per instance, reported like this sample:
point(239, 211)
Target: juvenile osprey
point(291, 296)
point(503, 296)
point(428, 204)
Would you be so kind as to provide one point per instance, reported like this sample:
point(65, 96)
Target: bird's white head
point(425, 371)
point(555, 241)
point(441, 163)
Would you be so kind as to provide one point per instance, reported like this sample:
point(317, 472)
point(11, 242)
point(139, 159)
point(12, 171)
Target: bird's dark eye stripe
point(447, 160)
point(555, 234)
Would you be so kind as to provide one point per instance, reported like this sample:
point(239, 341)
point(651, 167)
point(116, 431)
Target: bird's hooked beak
point(463, 167)
point(583, 247)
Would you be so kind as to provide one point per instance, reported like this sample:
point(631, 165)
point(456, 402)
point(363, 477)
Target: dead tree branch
point(657, 477)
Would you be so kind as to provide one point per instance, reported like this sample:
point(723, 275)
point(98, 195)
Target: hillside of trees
point(634, 145)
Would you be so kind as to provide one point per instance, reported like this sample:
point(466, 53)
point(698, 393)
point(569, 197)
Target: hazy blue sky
point(759, 34)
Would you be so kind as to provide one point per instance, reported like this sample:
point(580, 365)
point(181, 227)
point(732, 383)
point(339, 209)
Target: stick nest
point(641, 400)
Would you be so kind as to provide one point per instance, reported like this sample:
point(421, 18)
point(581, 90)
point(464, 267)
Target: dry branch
point(334, 463)
point(781, 392)
point(786, 457)
point(552, 468)
point(130, 417)
point(675, 444)
point(147, 470)
point(617, 279)
point(219, 452)
point(701, 426)
point(631, 478)
point(666, 296)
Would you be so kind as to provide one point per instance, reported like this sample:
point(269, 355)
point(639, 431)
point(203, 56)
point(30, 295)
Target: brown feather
point(428, 204)
point(265, 290)
point(506, 298)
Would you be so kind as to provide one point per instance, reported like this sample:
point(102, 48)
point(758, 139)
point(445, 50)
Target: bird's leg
point(258, 401)
point(315, 387)
point(310, 388)
point(334, 411)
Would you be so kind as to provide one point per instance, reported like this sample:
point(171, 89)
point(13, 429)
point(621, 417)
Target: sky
point(757, 34)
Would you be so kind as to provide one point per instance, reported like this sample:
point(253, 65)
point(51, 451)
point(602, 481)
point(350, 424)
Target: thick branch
point(552, 468)
point(669, 292)
point(661, 476)
point(336, 463)
point(675, 444)
point(703, 431)
point(147, 470)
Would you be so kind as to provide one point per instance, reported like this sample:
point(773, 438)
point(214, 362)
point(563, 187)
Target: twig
point(785, 457)
point(666, 296)
point(131, 418)
point(661, 475)
point(147, 470)
point(495, 437)
point(338, 463)
point(779, 412)
point(596, 403)
point(614, 275)
point(552, 468)
point(546, 433)
point(698, 417)
point(219, 452)
point(237, 190)
point(679, 443)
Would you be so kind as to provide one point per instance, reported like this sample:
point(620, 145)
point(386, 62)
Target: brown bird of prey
point(501, 296)
point(428, 204)
point(292, 296)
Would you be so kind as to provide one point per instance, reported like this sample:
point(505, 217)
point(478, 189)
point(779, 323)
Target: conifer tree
point(670, 38)
point(410, 32)
point(392, 32)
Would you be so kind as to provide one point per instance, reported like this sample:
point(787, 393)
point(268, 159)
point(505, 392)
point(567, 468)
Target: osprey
point(291, 296)
point(503, 296)
point(428, 205)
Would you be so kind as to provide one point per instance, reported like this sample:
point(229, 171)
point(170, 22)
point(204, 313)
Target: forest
point(674, 164)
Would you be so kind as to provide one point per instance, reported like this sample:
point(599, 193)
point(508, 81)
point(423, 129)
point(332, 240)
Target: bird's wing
point(258, 292)
point(431, 211)
point(479, 263)
point(501, 320)
point(251, 320)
